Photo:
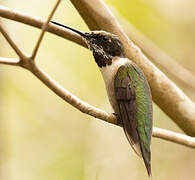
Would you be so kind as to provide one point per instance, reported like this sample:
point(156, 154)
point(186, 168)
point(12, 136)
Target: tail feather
point(148, 168)
point(147, 158)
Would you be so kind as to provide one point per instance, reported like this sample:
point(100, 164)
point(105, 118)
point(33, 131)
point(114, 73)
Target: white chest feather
point(108, 74)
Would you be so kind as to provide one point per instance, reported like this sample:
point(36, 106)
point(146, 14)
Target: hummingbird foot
point(118, 122)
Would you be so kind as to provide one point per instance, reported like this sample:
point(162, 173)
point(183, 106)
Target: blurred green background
point(44, 138)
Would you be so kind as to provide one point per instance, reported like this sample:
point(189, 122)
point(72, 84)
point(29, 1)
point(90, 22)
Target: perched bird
point(127, 89)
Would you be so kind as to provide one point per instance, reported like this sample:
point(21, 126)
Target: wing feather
point(126, 99)
point(135, 110)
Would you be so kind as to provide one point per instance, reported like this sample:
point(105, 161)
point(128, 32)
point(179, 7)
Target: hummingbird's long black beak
point(67, 27)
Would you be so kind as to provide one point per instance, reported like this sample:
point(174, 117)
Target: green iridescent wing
point(135, 109)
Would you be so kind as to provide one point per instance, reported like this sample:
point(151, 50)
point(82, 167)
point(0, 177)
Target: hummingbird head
point(105, 46)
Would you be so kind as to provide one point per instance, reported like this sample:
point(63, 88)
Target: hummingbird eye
point(105, 38)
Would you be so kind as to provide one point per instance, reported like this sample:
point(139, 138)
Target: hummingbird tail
point(146, 155)
point(148, 168)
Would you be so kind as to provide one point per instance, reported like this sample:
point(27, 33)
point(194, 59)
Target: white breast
point(108, 74)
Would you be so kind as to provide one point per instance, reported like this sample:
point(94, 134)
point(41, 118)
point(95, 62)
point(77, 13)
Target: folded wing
point(134, 105)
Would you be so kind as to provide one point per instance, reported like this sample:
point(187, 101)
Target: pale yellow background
point(44, 138)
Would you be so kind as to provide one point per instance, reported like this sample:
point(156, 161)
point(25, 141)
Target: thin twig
point(70, 98)
point(37, 22)
point(9, 61)
point(174, 137)
point(12, 43)
point(44, 28)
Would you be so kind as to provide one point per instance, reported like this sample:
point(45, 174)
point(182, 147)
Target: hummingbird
point(127, 88)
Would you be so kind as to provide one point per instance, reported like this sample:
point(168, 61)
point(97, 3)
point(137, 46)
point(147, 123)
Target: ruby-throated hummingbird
point(127, 89)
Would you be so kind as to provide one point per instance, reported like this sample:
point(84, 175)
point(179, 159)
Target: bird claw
point(118, 122)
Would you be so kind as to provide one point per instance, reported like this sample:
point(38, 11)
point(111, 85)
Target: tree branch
point(44, 28)
point(174, 137)
point(70, 98)
point(11, 42)
point(27, 63)
point(37, 22)
point(9, 61)
point(164, 92)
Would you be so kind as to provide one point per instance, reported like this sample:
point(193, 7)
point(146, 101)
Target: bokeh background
point(44, 138)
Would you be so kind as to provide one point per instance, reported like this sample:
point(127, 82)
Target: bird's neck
point(109, 71)
point(102, 59)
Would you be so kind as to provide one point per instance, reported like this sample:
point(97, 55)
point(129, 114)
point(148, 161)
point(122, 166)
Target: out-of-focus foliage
point(45, 138)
